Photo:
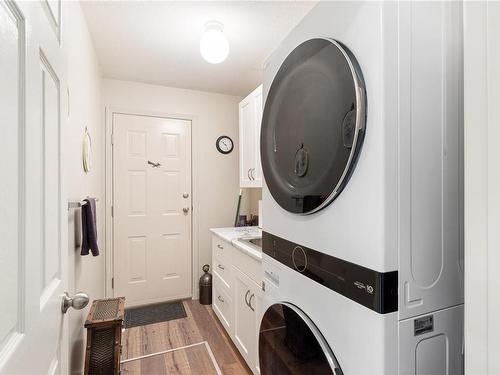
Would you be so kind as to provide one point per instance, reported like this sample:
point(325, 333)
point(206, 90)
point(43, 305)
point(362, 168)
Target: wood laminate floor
point(201, 325)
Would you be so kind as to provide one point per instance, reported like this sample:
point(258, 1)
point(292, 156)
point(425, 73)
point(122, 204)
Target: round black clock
point(224, 144)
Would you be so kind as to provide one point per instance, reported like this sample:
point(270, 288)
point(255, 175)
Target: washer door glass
point(312, 126)
point(290, 343)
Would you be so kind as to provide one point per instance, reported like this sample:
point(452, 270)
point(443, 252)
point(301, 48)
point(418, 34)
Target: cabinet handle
point(248, 174)
point(250, 302)
point(220, 299)
point(221, 266)
point(220, 247)
point(246, 298)
point(252, 173)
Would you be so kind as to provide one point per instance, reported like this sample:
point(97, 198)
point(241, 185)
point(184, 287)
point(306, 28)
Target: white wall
point(85, 273)
point(482, 187)
point(215, 176)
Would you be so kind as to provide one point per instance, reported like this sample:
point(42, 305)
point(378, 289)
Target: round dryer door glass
point(290, 343)
point(313, 125)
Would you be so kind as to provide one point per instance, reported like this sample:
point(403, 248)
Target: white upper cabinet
point(250, 120)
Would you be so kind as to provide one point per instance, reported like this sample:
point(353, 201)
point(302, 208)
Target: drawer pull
point(220, 247)
point(221, 266)
point(250, 302)
point(220, 299)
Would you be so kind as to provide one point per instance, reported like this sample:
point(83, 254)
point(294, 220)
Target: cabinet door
point(258, 104)
point(247, 141)
point(245, 327)
point(256, 304)
point(223, 305)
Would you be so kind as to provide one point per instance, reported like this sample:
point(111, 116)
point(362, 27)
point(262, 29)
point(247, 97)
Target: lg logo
point(369, 289)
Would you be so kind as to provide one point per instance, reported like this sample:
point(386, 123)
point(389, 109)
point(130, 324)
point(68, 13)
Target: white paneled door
point(151, 208)
point(33, 263)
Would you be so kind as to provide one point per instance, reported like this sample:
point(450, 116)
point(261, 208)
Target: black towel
point(89, 228)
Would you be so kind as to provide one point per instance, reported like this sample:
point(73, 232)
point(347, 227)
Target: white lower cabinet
point(245, 321)
point(237, 298)
point(222, 305)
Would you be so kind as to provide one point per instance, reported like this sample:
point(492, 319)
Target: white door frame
point(109, 259)
point(482, 180)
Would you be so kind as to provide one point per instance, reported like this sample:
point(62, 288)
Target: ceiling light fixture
point(213, 44)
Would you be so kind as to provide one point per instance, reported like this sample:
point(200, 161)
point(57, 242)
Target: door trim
point(109, 258)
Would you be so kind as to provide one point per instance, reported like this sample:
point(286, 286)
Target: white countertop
point(233, 234)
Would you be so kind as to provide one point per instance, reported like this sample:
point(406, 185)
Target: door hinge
point(112, 283)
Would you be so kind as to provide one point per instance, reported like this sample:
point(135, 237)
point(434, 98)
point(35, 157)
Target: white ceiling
point(158, 42)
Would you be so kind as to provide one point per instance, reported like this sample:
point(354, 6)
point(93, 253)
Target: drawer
point(221, 249)
point(222, 268)
point(248, 265)
point(222, 305)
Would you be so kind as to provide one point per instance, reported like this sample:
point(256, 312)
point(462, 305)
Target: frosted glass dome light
point(213, 44)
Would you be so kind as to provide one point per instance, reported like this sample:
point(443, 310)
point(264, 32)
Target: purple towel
point(89, 228)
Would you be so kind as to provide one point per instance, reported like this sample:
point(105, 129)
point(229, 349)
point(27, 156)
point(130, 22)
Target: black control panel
point(376, 290)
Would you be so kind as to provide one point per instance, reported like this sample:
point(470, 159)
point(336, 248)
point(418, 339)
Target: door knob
point(78, 301)
point(185, 195)
point(186, 210)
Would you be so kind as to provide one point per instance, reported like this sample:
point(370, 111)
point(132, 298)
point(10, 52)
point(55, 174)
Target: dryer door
point(313, 125)
point(290, 343)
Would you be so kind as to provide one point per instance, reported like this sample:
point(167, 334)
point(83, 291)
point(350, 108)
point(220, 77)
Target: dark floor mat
point(160, 312)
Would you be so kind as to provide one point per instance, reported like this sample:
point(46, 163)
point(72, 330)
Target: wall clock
point(224, 144)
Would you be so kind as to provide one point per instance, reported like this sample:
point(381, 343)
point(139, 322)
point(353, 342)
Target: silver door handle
point(220, 247)
point(220, 299)
point(185, 210)
point(221, 266)
point(250, 302)
point(78, 301)
point(252, 174)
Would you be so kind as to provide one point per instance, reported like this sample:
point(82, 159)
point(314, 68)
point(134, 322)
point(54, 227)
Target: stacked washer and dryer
point(361, 148)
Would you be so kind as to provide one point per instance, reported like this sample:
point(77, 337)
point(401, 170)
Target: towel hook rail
point(78, 204)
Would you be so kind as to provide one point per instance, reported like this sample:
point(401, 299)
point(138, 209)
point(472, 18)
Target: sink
point(254, 241)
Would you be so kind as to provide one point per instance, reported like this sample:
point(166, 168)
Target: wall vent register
point(313, 125)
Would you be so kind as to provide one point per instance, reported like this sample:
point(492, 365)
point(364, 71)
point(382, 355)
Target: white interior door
point(152, 208)
point(32, 261)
